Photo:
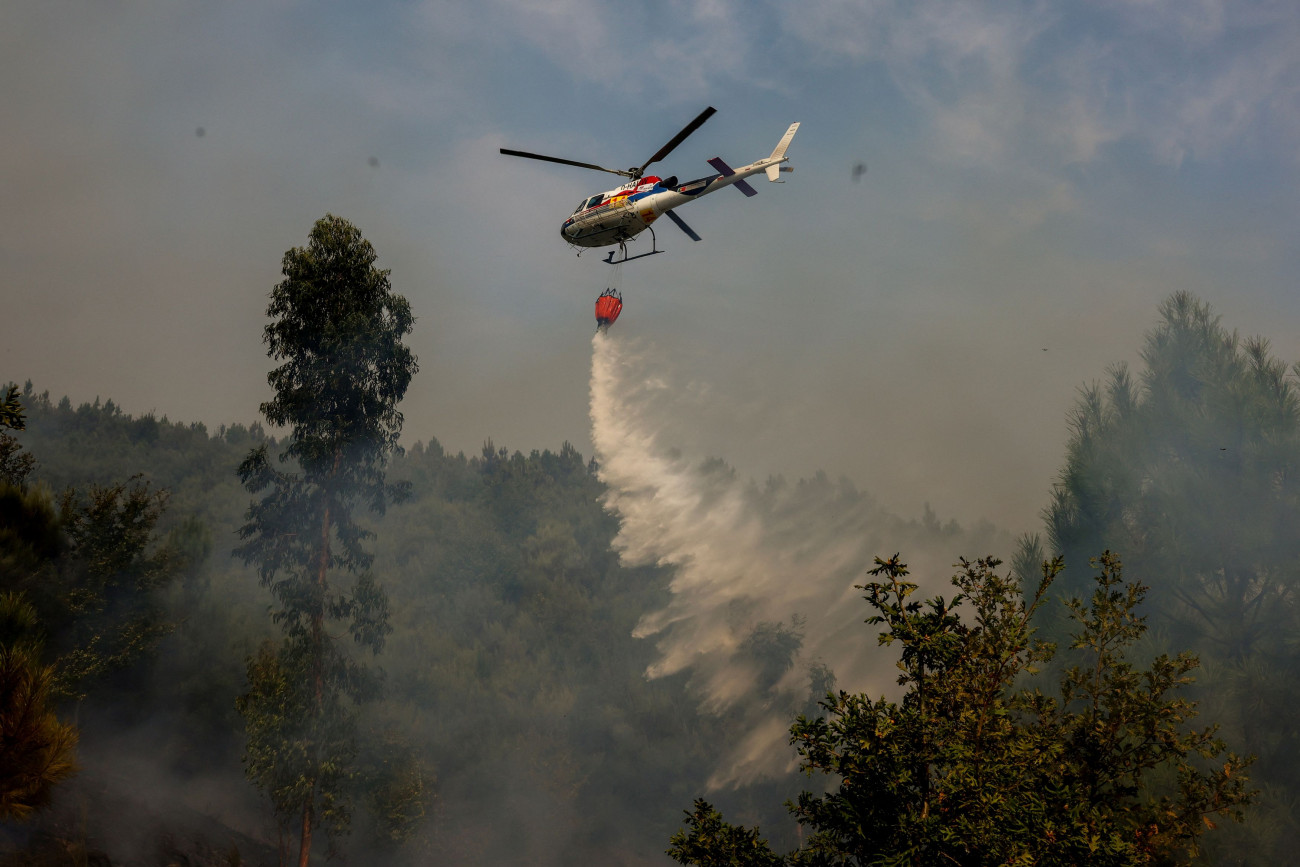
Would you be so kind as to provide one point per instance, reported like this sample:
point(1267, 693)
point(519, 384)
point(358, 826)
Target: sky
point(1039, 176)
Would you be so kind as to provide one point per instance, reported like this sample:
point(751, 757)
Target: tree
point(90, 568)
point(77, 584)
point(103, 612)
point(14, 467)
point(1194, 472)
point(338, 328)
point(710, 840)
point(974, 767)
point(1191, 466)
point(36, 750)
point(11, 409)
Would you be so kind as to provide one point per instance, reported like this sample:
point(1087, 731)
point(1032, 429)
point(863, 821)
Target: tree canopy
point(1191, 467)
point(977, 765)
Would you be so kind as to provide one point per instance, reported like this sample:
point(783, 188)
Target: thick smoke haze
point(1041, 175)
point(751, 561)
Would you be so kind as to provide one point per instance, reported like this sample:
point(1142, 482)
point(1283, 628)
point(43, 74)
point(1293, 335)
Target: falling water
point(747, 559)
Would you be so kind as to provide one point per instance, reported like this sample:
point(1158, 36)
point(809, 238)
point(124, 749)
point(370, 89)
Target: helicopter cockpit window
point(582, 206)
point(594, 201)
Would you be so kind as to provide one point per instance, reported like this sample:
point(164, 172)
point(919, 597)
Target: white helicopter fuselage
point(618, 215)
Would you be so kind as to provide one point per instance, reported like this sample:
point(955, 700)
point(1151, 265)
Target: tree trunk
point(304, 851)
point(318, 640)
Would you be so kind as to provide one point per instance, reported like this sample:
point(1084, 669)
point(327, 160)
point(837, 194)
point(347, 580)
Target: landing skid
point(622, 247)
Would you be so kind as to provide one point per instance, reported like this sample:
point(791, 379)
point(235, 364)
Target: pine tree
point(15, 466)
point(36, 750)
point(1190, 465)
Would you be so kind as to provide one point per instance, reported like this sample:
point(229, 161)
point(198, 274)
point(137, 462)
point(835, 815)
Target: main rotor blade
point(680, 137)
point(511, 153)
point(681, 224)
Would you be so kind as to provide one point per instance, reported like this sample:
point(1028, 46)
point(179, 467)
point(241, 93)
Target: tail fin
point(784, 143)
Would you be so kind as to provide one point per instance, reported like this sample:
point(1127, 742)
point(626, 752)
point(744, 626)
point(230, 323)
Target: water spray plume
point(762, 591)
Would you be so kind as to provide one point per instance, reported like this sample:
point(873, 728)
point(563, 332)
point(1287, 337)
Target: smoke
point(763, 600)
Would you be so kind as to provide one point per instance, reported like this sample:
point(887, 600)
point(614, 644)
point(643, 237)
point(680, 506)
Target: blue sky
point(1040, 175)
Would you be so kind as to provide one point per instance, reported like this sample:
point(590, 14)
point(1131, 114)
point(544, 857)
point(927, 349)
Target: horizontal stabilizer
point(727, 171)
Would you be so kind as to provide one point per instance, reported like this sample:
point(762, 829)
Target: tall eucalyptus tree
point(337, 328)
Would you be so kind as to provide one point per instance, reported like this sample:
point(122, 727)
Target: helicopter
point(618, 215)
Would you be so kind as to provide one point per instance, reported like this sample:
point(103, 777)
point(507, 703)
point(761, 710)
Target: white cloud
point(673, 50)
point(1188, 78)
point(997, 83)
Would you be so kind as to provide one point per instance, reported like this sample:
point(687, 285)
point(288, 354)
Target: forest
point(455, 676)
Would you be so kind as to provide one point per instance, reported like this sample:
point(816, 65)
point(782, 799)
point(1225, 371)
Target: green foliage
point(14, 467)
point(1145, 777)
point(710, 842)
point(96, 443)
point(511, 662)
point(974, 766)
point(1192, 468)
point(11, 409)
point(81, 581)
point(92, 570)
point(300, 746)
point(31, 538)
point(338, 328)
point(1195, 475)
point(511, 666)
point(398, 786)
point(185, 688)
point(106, 614)
point(36, 750)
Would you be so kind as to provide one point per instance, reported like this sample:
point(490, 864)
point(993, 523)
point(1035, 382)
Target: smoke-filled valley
point(567, 679)
point(925, 500)
point(581, 645)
